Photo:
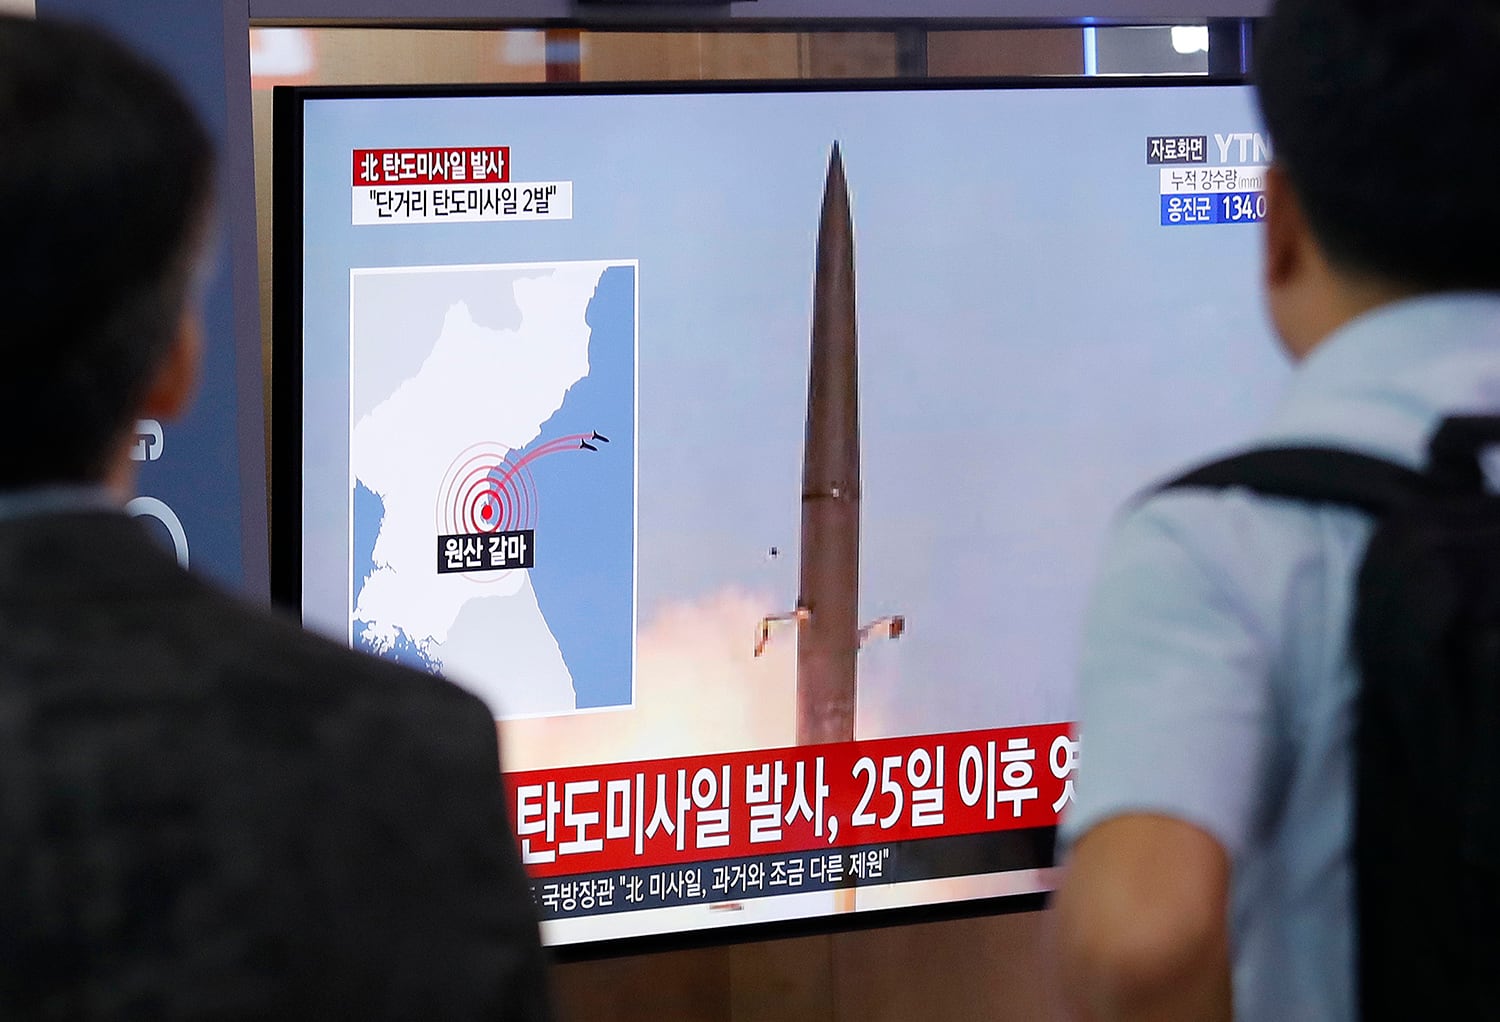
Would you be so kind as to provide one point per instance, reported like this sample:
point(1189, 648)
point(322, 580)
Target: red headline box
point(695, 808)
point(482, 165)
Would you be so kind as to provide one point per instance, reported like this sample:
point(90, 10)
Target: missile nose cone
point(835, 195)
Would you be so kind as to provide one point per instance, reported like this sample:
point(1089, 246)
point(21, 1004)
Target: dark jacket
point(207, 813)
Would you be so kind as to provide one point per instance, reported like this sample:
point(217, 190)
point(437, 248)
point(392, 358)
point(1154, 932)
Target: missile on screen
point(828, 607)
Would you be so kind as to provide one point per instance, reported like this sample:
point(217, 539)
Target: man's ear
point(176, 379)
point(1286, 234)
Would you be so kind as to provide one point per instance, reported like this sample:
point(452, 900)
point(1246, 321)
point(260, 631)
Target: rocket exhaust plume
point(828, 607)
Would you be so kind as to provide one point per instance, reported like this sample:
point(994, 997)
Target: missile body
point(828, 634)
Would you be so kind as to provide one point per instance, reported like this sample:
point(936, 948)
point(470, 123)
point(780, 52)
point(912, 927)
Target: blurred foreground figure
point(204, 812)
point(1288, 726)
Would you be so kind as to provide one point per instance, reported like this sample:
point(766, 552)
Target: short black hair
point(106, 178)
point(1384, 116)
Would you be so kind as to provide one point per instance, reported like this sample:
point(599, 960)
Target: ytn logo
point(1248, 147)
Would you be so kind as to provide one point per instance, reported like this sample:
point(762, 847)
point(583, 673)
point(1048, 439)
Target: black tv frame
point(287, 399)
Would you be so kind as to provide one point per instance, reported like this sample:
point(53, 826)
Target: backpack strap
point(1318, 474)
point(1456, 448)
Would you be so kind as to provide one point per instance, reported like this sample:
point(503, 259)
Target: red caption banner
point(484, 165)
point(660, 812)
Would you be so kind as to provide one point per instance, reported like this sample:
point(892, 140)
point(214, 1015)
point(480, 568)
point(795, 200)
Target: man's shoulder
point(93, 590)
point(294, 701)
point(256, 642)
point(1187, 565)
point(1227, 530)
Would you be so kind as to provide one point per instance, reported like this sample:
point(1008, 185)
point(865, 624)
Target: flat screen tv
point(748, 450)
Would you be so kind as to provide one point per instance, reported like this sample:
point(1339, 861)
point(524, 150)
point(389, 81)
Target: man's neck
point(1341, 300)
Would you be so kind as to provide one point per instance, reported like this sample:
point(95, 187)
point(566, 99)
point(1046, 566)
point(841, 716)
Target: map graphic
point(493, 478)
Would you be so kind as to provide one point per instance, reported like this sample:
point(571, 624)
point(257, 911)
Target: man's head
point(106, 177)
point(1384, 118)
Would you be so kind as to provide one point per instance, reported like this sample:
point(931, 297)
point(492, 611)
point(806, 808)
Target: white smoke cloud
point(699, 690)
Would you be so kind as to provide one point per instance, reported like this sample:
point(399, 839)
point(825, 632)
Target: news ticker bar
point(725, 882)
point(619, 817)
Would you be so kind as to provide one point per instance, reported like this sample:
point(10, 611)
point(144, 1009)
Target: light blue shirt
point(1215, 679)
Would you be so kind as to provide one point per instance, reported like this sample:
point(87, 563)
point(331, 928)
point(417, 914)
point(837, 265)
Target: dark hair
point(105, 185)
point(1384, 115)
